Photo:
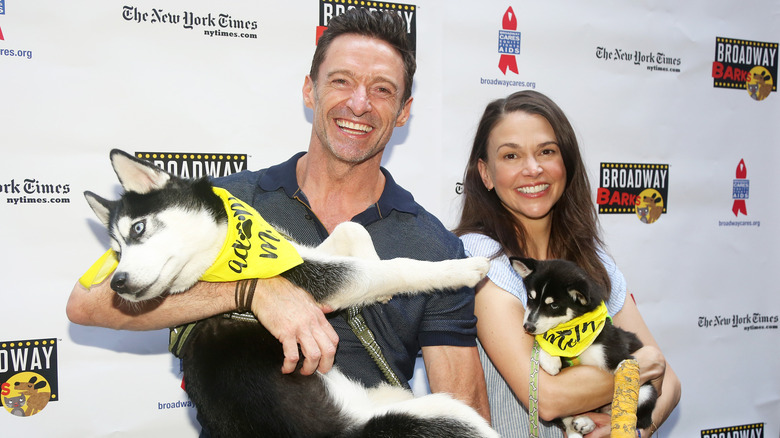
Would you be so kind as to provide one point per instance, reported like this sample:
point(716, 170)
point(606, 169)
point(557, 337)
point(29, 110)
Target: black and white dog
point(558, 292)
point(167, 231)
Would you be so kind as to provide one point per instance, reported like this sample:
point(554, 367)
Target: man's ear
point(308, 92)
point(403, 115)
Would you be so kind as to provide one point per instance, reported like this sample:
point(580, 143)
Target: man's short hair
point(383, 25)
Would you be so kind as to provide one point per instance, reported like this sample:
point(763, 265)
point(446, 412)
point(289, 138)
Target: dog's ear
point(578, 297)
point(100, 206)
point(523, 266)
point(137, 175)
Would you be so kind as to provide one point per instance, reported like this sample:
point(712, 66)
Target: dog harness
point(570, 339)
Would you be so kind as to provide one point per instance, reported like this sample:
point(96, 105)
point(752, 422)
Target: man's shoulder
point(420, 235)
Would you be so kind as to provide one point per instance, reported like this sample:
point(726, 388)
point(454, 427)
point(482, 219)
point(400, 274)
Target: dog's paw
point(551, 364)
point(583, 425)
point(475, 269)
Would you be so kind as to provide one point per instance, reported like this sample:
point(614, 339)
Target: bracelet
point(653, 429)
point(245, 293)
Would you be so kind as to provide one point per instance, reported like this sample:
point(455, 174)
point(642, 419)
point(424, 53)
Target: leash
point(533, 392)
point(366, 336)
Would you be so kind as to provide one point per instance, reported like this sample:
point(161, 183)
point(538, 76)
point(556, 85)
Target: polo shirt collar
point(393, 197)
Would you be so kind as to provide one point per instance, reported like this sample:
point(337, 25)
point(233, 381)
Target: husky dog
point(558, 292)
point(167, 231)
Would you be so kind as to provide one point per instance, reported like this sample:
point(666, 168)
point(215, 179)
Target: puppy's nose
point(529, 327)
point(119, 281)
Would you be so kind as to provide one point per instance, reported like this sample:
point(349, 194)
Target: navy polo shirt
point(399, 227)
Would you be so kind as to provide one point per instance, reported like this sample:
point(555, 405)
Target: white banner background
point(95, 80)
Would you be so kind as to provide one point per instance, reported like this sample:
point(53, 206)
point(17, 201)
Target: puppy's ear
point(100, 206)
point(523, 266)
point(579, 297)
point(137, 175)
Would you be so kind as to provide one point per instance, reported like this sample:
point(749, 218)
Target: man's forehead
point(353, 52)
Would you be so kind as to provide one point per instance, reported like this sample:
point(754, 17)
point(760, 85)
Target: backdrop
point(674, 104)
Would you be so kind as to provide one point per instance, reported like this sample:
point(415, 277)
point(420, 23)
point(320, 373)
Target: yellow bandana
point(252, 249)
point(100, 270)
point(571, 338)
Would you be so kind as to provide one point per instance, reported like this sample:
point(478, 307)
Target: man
point(359, 89)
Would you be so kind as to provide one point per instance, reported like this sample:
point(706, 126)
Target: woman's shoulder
point(480, 245)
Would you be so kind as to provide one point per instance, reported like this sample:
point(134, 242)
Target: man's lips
point(353, 127)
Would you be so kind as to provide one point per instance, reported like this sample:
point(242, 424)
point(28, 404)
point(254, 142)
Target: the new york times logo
point(627, 188)
point(742, 64)
point(333, 8)
point(196, 165)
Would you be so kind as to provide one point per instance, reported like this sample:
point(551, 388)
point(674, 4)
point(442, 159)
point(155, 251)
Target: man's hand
point(294, 318)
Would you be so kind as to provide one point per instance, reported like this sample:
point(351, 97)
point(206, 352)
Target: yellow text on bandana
point(252, 248)
point(571, 338)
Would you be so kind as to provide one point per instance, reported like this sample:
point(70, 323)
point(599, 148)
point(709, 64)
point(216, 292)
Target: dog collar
point(571, 338)
point(252, 248)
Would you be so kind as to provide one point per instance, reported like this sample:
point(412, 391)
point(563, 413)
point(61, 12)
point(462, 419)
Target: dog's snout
point(119, 281)
point(529, 327)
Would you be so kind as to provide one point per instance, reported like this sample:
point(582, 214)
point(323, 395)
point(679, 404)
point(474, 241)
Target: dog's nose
point(529, 327)
point(119, 281)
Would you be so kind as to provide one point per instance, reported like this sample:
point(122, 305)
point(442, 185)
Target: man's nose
point(359, 102)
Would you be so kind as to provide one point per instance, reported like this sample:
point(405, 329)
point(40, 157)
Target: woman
point(527, 194)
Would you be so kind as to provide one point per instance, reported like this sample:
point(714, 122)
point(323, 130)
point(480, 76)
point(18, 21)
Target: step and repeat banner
point(674, 103)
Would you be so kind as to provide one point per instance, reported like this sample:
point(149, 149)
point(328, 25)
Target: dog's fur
point(559, 291)
point(167, 231)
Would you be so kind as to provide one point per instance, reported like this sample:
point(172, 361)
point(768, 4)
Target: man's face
point(357, 98)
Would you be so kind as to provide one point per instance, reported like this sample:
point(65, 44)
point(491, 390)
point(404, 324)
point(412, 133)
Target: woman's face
point(524, 165)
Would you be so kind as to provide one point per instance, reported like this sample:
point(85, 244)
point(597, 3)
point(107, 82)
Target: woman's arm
point(666, 381)
point(500, 330)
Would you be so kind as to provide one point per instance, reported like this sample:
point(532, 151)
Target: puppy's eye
point(553, 306)
point(138, 229)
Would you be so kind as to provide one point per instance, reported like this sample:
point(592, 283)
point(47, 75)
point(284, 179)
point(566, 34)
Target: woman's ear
point(483, 172)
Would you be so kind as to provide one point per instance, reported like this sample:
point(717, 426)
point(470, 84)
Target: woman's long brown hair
point(575, 232)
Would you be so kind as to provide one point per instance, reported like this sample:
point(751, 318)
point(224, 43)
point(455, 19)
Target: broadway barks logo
point(28, 375)
point(745, 431)
point(747, 65)
point(628, 188)
point(508, 42)
point(334, 8)
point(192, 165)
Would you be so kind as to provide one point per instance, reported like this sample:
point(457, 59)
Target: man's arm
point(457, 371)
point(288, 312)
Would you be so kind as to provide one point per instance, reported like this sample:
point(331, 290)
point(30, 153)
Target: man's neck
point(339, 191)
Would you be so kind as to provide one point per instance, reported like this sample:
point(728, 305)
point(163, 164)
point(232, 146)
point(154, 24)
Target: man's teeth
point(534, 189)
point(353, 126)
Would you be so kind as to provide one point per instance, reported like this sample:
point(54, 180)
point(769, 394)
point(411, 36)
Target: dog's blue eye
point(138, 228)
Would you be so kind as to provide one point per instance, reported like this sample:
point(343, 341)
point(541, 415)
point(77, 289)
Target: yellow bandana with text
point(571, 338)
point(252, 249)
